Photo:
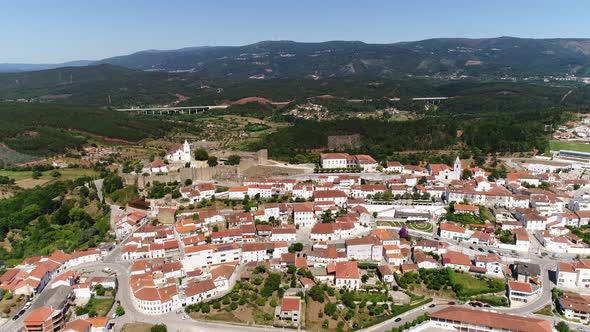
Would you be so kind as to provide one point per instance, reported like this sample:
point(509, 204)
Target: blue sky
point(59, 30)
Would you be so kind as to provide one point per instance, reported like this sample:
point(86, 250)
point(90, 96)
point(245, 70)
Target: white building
point(182, 154)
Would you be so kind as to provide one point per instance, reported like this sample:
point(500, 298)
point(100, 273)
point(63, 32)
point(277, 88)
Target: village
point(350, 244)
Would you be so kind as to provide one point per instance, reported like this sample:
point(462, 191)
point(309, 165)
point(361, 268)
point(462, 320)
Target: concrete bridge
point(205, 108)
point(172, 109)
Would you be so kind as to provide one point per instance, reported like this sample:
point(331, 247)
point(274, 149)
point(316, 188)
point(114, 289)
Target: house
point(575, 306)
point(303, 215)
point(59, 163)
point(339, 197)
point(237, 192)
point(336, 160)
point(526, 272)
point(158, 166)
point(452, 231)
point(394, 166)
point(347, 275)
point(254, 252)
point(454, 318)
point(424, 261)
point(385, 273)
point(466, 208)
point(286, 234)
point(180, 154)
point(198, 291)
point(82, 293)
point(366, 162)
point(290, 309)
point(78, 325)
point(456, 260)
point(44, 319)
point(491, 262)
point(522, 291)
point(364, 248)
point(99, 324)
point(572, 275)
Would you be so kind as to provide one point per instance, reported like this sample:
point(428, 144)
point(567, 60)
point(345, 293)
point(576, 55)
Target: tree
point(330, 309)
point(364, 278)
point(55, 174)
point(188, 182)
point(233, 159)
point(403, 232)
point(159, 328)
point(212, 161)
point(317, 294)
point(120, 311)
point(562, 327)
point(201, 154)
point(467, 174)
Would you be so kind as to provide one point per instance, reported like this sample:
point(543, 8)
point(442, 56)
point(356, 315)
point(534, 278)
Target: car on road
point(15, 317)
point(481, 249)
point(185, 317)
point(398, 319)
point(22, 312)
point(492, 251)
point(432, 305)
point(451, 303)
point(471, 248)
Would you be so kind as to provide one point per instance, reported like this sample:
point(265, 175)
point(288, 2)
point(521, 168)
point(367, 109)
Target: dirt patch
point(9, 308)
point(136, 327)
point(31, 183)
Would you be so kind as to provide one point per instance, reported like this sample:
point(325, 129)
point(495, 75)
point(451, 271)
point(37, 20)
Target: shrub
point(159, 328)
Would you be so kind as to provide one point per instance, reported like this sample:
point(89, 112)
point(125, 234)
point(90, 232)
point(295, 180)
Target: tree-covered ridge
point(63, 215)
point(488, 132)
point(485, 57)
point(41, 129)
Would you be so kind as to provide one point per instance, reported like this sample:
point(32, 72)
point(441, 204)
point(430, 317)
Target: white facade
point(182, 155)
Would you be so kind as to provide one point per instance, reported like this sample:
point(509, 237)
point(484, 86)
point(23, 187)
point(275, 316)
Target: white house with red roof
point(158, 166)
point(452, 231)
point(394, 167)
point(347, 275)
point(336, 160)
point(339, 197)
point(303, 215)
point(456, 260)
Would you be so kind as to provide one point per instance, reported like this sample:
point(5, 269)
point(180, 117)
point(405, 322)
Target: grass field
point(574, 146)
point(418, 226)
point(66, 174)
point(102, 306)
point(136, 327)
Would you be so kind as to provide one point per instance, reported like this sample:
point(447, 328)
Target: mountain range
point(489, 57)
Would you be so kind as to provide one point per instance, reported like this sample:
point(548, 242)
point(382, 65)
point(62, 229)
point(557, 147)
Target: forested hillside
point(63, 215)
point(479, 133)
point(486, 57)
point(43, 129)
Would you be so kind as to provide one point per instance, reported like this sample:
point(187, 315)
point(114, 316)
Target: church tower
point(457, 169)
point(186, 151)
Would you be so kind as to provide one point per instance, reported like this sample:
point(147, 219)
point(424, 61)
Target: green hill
point(44, 129)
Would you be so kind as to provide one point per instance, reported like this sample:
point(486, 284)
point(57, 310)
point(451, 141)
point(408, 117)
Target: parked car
point(471, 247)
point(398, 319)
point(481, 249)
point(451, 303)
point(432, 305)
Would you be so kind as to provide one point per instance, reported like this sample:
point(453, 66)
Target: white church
point(182, 154)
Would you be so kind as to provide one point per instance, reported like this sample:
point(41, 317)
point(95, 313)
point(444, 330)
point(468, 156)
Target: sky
point(64, 30)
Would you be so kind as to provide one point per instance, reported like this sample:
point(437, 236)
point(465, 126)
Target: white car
point(185, 317)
